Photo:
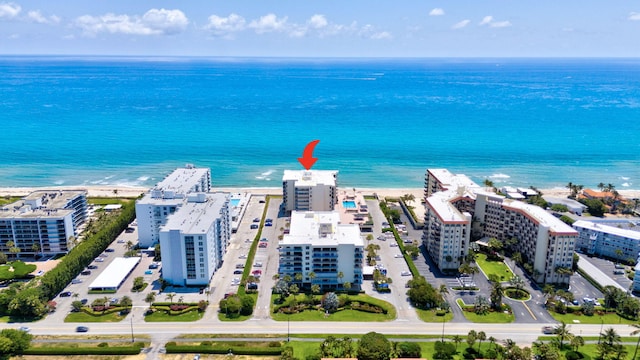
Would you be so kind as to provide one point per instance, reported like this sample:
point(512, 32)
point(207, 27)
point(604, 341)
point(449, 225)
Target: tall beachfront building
point(309, 190)
point(456, 207)
point(606, 240)
point(44, 222)
point(194, 239)
point(154, 209)
point(317, 243)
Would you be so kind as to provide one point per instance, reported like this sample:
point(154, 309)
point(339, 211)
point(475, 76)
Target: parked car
point(92, 267)
point(405, 273)
point(237, 271)
point(84, 301)
point(254, 226)
point(121, 241)
point(109, 250)
point(86, 272)
point(255, 220)
point(65, 294)
point(99, 259)
point(263, 245)
point(24, 328)
point(269, 220)
point(258, 264)
point(82, 329)
point(268, 224)
point(76, 281)
point(548, 330)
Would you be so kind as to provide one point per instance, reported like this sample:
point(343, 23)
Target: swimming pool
point(349, 204)
point(234, 202)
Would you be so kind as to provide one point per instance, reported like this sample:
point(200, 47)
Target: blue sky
point(327, 28)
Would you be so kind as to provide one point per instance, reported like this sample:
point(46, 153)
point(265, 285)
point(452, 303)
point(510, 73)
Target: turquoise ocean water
point(381, 123)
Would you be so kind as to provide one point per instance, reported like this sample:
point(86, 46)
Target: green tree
point(315, 289)
point(482, 336)
point(246, 305)
point(330, 302)
point(517, 282)
point(340, 276)
point(496, 295)
point(150, 298)
point(373, 346)
point(138, 283)
point(472, 336)
point(481, 305)
point(457, 339)
point(562, 332)
point(126, 301)
point(14, 342)
point(576, 342)
point(408, 350)
point(76, 306)
point(170, 297)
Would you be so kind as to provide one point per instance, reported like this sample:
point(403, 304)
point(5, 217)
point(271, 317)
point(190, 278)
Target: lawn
point(490, 317)
point(341, 315)
point(430, 316)
point(609, 318)
point(84, 317)
point(499, 268)
point(16, 269)
point(161, 316)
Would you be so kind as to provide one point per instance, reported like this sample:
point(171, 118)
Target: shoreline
point(135, 191)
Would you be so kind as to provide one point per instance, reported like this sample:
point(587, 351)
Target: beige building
point(456, 208)
point(309, 190)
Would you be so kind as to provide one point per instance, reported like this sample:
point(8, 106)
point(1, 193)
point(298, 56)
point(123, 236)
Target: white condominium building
point(43, 222)
point(153, 210)
point(309, 190)
point(608, 241)
point(195, 238)
point(456, 207)
point(317, 243)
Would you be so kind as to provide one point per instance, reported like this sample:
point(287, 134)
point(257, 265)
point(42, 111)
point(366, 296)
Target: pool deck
point(357, 215)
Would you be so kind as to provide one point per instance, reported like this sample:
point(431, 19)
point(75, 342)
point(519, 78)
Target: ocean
point(380, 122)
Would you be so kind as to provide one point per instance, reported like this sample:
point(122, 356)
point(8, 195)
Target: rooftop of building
point(42, 203)
point(440, 202)
point(113, 275)
point(311, 177)
point(198, 213)
point(564, 201)
point(614, 230)
point(540, 216)
point(321, 228)
point(183, 180)
point(452, 181)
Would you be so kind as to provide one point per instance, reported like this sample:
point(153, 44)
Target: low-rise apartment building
point(44, 222)
point(320, 249)
point(309, 190)
point(607, 241)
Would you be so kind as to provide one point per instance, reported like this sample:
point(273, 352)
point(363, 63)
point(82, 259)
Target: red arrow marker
point(307, 160)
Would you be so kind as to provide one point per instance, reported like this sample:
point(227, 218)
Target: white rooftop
point(564, 201)
point(42, 204)
point(112, 276)
point(197, 214)
point(320, 228)
point(452, 181)
point(614, 230)
point(541, 216)
point(311, 177)
point(440, 202)
point(183, 180)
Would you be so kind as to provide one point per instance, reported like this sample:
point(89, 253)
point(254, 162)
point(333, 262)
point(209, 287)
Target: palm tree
point(457, 339)
point(129, 245)
point(562, 331)
point(634, 333)
point(481, 337)
point(576, 342)
point(347, 285)
point(312, 276)
point(496, 295)
point(315, 289)
point(170, 297)
point(150, 298)
point(35, 247)
point(601, 186)
point(610, 336)
point(492, 341)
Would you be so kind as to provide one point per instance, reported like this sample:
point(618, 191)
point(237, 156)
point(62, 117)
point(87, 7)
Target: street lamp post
point(132, 339)
point(288, 328)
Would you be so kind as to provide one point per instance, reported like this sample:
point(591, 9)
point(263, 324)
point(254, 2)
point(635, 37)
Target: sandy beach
point(126, 191)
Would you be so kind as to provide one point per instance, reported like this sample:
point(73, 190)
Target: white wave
point(626, 184)
point(268, 179)
point(267, 173)
point(500, 176)
point(59, 182)
point(624, 178)
point(109, 177)
point(260, 177)
point(143, 178)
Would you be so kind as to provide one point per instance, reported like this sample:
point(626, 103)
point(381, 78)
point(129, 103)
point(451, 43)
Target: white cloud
point(500, 24)
point(436, 12)
point(153, 22)
point(461, 24)
point(634, 16)
point(224, 26)
point(486, 20)
point(37, 17)
point(268, 23)
point(318, 21)
point(9, 10)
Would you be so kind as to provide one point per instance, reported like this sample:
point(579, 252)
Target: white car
point(24, 328)
point(406, 273)
point(398, 255)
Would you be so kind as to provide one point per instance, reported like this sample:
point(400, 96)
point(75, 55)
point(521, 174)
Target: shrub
point(206, 343)
point(274, 344)
point(573, 355)
point(103, 344)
